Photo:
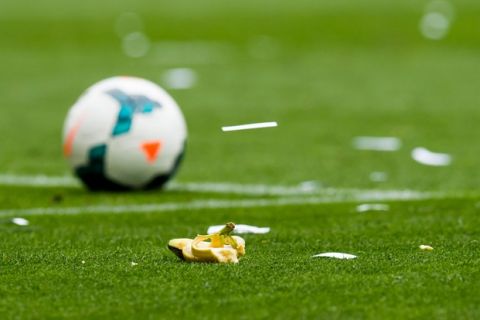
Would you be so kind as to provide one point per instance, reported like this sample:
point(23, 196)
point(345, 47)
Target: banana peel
point(219, 247)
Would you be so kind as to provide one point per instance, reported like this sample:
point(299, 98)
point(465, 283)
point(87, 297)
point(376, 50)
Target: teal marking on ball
point(129, 105)
point(96, 159)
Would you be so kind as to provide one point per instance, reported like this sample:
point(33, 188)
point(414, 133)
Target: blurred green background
point(327, 71)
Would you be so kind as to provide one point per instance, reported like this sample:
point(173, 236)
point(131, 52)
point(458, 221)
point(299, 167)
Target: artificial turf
point(327, 72)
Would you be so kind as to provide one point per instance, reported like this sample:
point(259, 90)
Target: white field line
point(207, 187)
point(242, 189)
point(38, 181)
point(221, 204)
point(215, 187)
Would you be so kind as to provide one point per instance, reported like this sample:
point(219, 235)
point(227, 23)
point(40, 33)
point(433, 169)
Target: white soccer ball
point(124, 133)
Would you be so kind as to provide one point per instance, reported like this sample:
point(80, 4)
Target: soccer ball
point(124, 133)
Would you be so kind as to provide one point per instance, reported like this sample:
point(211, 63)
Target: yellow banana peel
point(218, 247)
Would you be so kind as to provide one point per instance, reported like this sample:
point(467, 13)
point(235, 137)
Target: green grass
point(327, 72)
point(43, 275)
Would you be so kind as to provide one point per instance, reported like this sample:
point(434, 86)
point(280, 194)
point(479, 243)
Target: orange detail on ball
point(72, 133)
point(151, 150)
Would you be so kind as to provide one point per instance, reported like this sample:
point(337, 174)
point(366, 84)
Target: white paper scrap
point(250, 126)
point(366, 207)
point(336, 255)
point(425, 247)
point(377, 143)
point(429, 158)
point(240, 228)
point(20, 222)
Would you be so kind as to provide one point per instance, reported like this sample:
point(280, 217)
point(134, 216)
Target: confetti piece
point(240, 228)
point(429, 158)
point(20, 222)
point(425, 247)
point(437, 19)
point(83, 261)
point(366, 207)
point(180, 78)
point(134, 264)
point(250, 126)
point(434, 25)
point(336, 255)
point(377, 143)
point(136, 44)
